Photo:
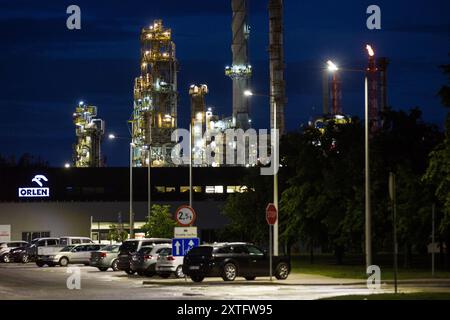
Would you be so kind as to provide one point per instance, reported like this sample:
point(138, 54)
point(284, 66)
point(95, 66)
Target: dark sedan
point(231, 260)
point(19, 255)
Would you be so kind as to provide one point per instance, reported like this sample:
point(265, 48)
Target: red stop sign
point(271, 214)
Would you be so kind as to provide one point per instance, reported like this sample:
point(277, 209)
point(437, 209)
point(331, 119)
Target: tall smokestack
point(372, 78)
point(276, 52)
point(336, 94)
point(325, 92)
point(241, 71)
point(383, 64)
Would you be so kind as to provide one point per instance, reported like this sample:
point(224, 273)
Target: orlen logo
point(36, 192)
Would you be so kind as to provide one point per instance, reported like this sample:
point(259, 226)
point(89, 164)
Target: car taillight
point(102, 254)
point(147, 257)
point(170, 258)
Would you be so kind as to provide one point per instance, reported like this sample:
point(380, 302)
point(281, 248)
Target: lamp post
point(149, 189)
point(132, 145)
point(131, 193)
point(332, 67)
point(368, 207)
point(276, 165)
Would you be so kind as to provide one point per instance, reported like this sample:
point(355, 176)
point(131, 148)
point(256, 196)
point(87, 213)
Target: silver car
point(144, 261)
point(106, 258)
point(167, 264)
point(78, 254)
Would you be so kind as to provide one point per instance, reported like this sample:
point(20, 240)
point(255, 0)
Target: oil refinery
point(155, 113)
point(156, 95)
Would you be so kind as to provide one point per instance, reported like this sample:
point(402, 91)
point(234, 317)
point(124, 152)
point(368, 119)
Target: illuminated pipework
point(89, 131)
point(241, 71)
point(155, 98)
point(208, 130)
point(198, 122)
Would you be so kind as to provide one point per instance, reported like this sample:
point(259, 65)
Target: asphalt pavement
point(29, 282)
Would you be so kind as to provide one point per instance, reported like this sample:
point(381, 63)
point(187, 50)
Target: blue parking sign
point(180, 247)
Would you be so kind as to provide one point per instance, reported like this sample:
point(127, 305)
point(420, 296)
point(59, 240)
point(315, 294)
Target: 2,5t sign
point(185, 216)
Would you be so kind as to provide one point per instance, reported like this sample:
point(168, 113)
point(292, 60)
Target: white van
point(68, 241)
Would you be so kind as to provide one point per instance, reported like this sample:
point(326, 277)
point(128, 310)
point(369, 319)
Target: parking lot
point(27, 281)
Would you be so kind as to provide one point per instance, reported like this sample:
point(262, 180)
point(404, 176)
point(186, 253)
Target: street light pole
point(276, 167)
point(276, 164)
point(131, 193)
point(149, 182)
point(190, 164)
point(367, 178)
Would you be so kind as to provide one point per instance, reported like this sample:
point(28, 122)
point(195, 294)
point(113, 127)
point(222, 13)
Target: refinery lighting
point(332, 67)
point(67, 165)
point(370, 50)
point(248, 93)
point(111, 137)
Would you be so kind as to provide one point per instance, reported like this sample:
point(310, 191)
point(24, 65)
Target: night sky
point(46, 69)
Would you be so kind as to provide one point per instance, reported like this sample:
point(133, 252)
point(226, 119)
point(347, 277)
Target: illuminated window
point(161, 189)
point(236, 189)
point(196, 189)
point(171, 189)
point(214, 189)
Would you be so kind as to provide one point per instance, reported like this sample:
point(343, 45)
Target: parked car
point(73, 254)
point(167, 264)
point(231, 260)
point(144, 261)
point(131, 246)
point(29, 252)
point(106, 258)
point(19, 254)
point(50, 250)
point(7, 246)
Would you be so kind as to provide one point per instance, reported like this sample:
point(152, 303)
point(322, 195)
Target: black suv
point(231, 260)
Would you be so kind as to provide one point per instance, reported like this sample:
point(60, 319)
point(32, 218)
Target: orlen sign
point(40, 192)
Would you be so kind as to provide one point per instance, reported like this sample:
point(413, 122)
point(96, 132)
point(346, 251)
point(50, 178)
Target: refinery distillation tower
point(89, 131)
point(155, 98)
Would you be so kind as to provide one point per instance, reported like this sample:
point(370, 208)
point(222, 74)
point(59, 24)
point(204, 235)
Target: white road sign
point(185, 232)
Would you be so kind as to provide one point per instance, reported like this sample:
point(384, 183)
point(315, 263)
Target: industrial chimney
point(276, 52)
point(383, 64)
point(240, 71)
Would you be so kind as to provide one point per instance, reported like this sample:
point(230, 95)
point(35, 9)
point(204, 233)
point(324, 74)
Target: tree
point(25, 161)
point(323, 203)
point(117, 234)
point(246, 211)
point(160, 223)
point(438, 173)
point(318, 204)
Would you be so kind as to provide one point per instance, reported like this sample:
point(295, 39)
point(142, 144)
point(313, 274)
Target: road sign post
point(271, 218)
